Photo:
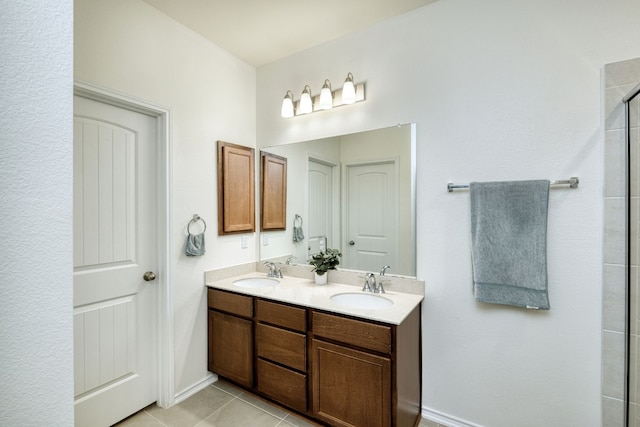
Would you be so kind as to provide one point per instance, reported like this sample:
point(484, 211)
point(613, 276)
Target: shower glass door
point(632, 113)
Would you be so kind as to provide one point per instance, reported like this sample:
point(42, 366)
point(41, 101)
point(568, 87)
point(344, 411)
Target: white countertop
point(304, 292)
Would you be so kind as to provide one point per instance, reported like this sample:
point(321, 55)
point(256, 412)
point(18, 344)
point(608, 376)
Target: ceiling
point(263, 31)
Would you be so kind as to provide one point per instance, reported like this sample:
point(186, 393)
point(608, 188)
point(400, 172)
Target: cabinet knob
point(149, 276)
point(351, 243)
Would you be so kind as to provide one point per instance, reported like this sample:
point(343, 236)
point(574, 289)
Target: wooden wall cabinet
point(236, 189)
point(273, 192)
point(335, 369)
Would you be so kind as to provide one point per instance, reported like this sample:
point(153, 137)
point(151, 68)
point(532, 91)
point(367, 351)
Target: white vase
point(321, 279)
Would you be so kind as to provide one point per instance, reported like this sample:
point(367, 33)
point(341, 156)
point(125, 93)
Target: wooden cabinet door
point(236, 188)
point(273, 192)
point(350, 387)
point(231, 347)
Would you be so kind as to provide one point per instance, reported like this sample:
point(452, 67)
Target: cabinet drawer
point(355, 332)
point(278, 345)
point(228, 302)
point(283, 385)
point(282, 315)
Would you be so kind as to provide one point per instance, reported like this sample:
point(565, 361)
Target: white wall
point(128, 46)
point(500, 90)
point(36, 337)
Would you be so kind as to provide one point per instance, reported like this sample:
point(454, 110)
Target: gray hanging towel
point(298, 235)
point(509, 242)
point(195, 244)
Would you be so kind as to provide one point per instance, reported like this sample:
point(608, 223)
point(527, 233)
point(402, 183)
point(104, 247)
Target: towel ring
point(295, 219)
point(195, 219)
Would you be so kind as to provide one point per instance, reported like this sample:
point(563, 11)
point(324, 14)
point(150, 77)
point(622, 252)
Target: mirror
point(355, 193)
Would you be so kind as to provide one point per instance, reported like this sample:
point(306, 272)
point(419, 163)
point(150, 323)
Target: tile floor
point(221, 405)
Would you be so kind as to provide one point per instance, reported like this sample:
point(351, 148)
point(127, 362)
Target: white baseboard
point(445, 419)
point(190, 391)
point(427, 413)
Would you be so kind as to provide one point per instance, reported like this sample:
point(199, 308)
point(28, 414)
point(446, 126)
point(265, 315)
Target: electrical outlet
point(265, 240)
point(245, 242)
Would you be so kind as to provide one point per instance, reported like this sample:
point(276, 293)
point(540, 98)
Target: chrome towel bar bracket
point(571, 182)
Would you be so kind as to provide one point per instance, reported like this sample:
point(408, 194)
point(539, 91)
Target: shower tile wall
point(619, 79)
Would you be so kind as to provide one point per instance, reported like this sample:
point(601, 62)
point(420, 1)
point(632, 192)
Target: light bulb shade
point(306, 105)
point(348, 90)
point(326, 97)
point(287, 106)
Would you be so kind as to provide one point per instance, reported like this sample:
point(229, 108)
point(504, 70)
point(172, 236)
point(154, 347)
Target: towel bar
point(571, 182)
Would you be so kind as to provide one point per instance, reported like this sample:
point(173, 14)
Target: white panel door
point(320, 223)
point(371, 212)
point(114, 245)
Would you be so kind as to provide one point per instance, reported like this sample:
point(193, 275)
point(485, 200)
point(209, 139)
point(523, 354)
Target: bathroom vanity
point(338, 364)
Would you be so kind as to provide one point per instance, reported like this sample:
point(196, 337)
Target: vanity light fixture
point(306, 105)
point(348, 90)
point(288, 110)
point(326, 96)
point(327, 99)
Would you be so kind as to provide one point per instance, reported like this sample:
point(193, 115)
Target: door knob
point(149, 276)
point(351, 243)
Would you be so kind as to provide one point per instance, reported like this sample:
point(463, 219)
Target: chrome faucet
point(382, 271)
point(370, 283)
point(274, 271)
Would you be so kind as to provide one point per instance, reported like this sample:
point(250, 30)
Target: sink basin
point(256, 282)
point(361, 300)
